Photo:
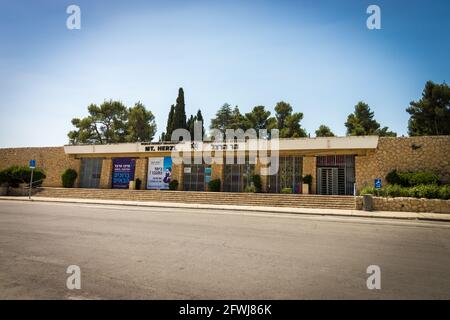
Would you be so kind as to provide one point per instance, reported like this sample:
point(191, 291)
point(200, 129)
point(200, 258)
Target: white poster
point(159, 173)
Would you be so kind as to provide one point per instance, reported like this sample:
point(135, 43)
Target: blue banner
point(123, 172)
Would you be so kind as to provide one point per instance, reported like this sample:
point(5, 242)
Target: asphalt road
point(166, 253)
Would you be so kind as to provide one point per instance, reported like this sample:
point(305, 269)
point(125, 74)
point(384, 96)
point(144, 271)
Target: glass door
point(90, 172)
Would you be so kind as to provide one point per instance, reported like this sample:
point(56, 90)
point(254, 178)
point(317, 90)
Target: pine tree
point(223, 118)
point(324, 131)
point(362, 123)
point(431, 114)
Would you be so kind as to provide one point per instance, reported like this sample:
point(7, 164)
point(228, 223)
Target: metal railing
point(31, 186)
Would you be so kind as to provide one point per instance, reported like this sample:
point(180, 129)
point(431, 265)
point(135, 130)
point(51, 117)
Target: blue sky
point(317, 55)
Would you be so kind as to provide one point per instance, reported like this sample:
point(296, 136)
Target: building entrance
point(90, 172)
point(336, 175)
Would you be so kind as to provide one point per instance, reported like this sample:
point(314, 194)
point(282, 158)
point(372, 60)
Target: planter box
point(305, 188)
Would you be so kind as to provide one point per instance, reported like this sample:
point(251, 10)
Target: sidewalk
point(308, 211)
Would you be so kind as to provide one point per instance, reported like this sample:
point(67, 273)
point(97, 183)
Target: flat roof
point(300, 144)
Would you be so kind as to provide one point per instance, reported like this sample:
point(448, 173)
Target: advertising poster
point(159, 173)
point(123, 172)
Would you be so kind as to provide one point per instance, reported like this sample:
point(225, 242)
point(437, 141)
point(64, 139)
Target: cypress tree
point(199, 117)
point(190, 126)
point(179, 118)
point(169, 128)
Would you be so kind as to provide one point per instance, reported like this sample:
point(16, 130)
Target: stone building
point(338, 165)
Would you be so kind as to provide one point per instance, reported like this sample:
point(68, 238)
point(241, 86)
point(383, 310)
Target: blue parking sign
point(378, 183)
point(32, 164)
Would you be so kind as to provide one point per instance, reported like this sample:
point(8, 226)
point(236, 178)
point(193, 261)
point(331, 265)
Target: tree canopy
point(362, 123)
point(259, 118)
point(223, 118)
point(288, 122)
point(431, 114)
point(112, 122)
point(191, 124)
point(141, 124)
point(324, 131)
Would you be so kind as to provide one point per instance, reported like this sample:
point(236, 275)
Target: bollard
point(367, 202)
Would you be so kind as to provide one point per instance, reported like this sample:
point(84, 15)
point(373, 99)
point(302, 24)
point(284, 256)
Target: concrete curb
point(307, 211)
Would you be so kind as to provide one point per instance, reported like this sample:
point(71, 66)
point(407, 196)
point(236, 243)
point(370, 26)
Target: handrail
point(32, 184)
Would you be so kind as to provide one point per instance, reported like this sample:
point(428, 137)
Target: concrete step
point(246, 199)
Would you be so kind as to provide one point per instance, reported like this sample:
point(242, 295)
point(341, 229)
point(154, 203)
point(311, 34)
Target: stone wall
point(52, 160)
point(178, 174)
point(141, 171)
point(217, 173)
point(106, 174)
point(310, 167)
point(404, 154)
point(407, 204)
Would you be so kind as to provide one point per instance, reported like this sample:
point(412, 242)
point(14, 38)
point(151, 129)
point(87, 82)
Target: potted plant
point(138, 184)
point(307, 181)
point(214, 185)
point(173, 185)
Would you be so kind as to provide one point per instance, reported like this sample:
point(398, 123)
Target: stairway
point(218, 198)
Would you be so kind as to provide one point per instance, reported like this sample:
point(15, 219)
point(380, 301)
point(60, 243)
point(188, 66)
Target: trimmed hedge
point(68, 178)
point(16, 175)
point(411, 179)
point(431, 191)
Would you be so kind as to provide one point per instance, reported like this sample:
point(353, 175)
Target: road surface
point(166, 253)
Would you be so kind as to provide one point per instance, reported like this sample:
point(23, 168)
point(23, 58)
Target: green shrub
point(307, 179)
point(16, 175)
point(138, 184)
point(173, 185)
point(444, 192)
point(430, 191)
point(393, 177)
point(257, 182)
point(3, 177)
point(424, 191)
point(214, 185)
point(286, 190)
point(420, 178)
point(68, 178)
point(411, 179)
point(394, 191)
point(250, 189)
point(368, 190)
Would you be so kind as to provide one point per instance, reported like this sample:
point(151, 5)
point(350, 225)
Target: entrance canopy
point(360, 145)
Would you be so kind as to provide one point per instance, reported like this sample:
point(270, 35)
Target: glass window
point(194, 177)
point(288, 176)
